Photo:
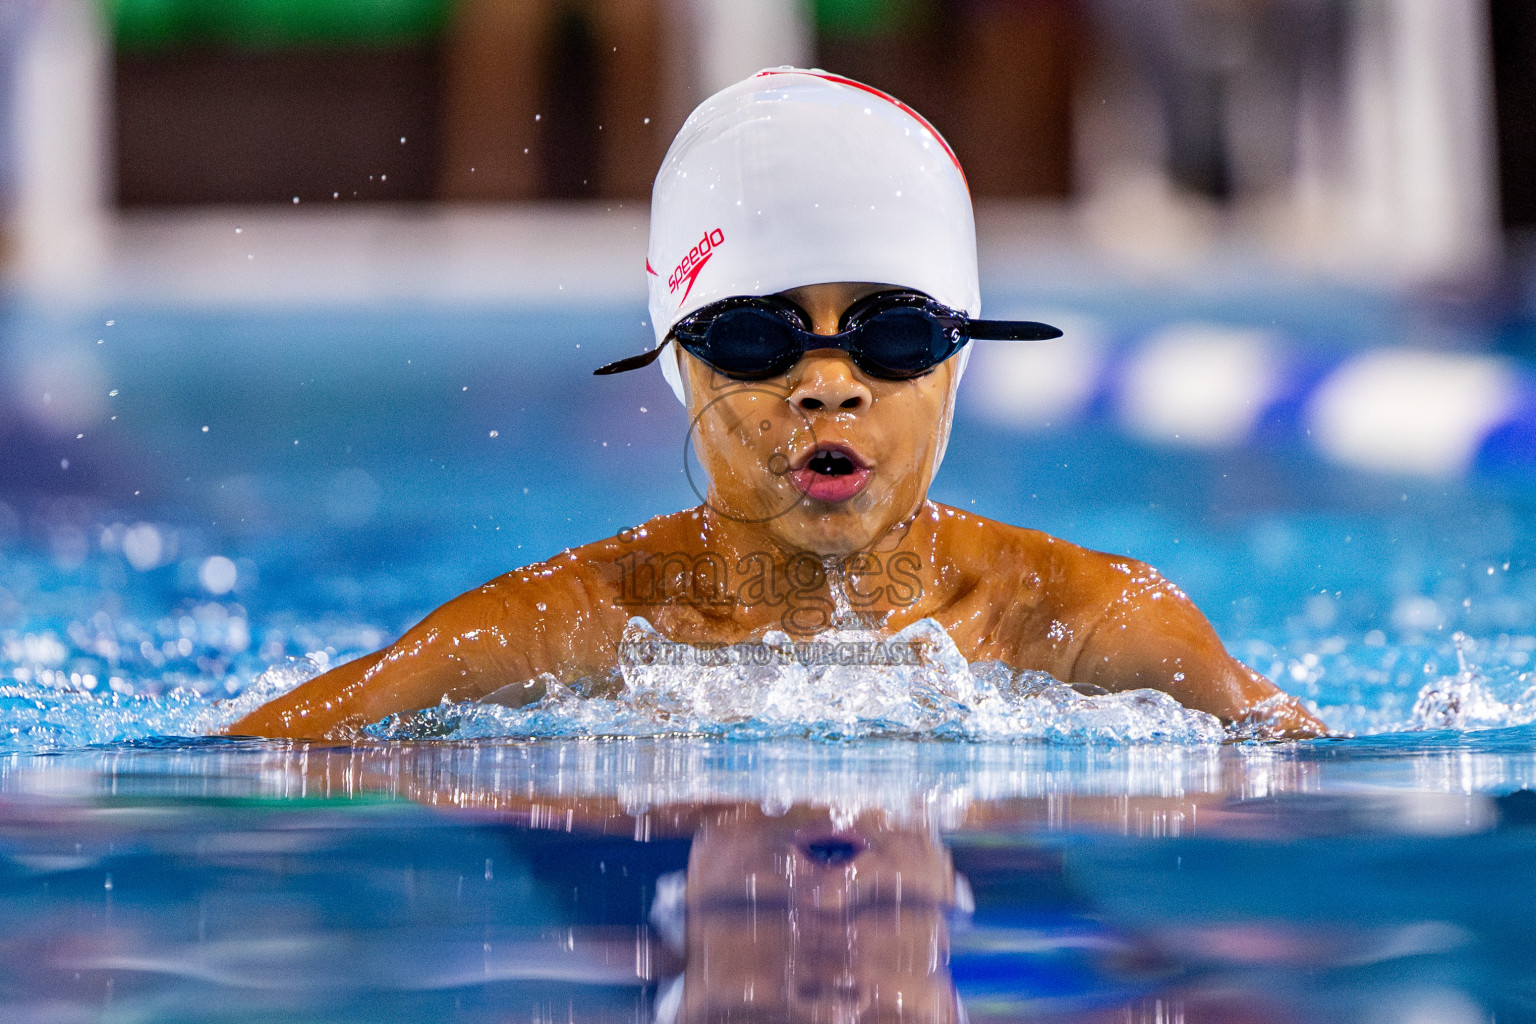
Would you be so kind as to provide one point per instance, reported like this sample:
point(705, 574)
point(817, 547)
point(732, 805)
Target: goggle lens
point(748, 343)
point(903, 342)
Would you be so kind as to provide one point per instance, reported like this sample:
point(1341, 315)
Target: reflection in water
point(799, 917)
point(687, 880)
point(1437, 787)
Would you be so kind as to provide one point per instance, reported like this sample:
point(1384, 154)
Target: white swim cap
point(797, 177)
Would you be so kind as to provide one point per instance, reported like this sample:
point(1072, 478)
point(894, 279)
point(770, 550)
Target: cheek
point(937, 390)
point(914, 417)
point(741, 432)
point(731, 438)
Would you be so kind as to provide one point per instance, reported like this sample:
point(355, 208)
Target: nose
point(826, 380)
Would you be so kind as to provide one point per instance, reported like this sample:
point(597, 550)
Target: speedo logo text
point(688, 268)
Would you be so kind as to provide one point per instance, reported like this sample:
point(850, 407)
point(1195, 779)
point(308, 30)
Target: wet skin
point(765, 550)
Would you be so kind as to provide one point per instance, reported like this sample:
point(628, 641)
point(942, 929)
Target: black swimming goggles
point(895, 335)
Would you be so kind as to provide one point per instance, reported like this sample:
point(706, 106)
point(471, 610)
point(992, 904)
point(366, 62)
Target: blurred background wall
point(1375, 139)
point(1271, 227)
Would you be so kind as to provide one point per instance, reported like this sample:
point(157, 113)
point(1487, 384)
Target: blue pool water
point(358, 467)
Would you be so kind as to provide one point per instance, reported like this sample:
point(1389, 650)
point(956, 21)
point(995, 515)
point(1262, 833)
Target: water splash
point(135, 673)
point(846, 683)
point(1467, 700)
point(35, 717)
point(843, 615)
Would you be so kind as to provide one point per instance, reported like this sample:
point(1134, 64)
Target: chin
point(840, 529)
point(823, 536)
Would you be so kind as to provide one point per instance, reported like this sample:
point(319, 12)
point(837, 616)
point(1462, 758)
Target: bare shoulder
point(1100, 580)
point(591, 574)
point(1066, 576)
point(967, 536)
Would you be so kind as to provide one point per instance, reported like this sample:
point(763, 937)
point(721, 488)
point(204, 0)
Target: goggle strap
point(1011, 330)
point(631, 362)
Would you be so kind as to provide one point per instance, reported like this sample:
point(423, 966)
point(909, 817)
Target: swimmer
point(813, 290)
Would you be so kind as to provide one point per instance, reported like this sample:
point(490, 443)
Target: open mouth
point(830, 849)
point(831, 463)
point(831, 473)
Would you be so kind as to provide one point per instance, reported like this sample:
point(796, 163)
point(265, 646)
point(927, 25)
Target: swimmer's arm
point(417, 671)
point(1152, 635)
point(470, 647)
point(330, 706)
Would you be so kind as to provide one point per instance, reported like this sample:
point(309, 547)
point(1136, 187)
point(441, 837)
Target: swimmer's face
point(805, 861)
point(796, 917)
point(826, 457)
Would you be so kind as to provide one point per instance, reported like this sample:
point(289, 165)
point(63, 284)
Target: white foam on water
point(845, 683)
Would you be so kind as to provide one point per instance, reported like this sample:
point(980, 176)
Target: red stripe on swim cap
point(919, 118)
point(649, 269)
